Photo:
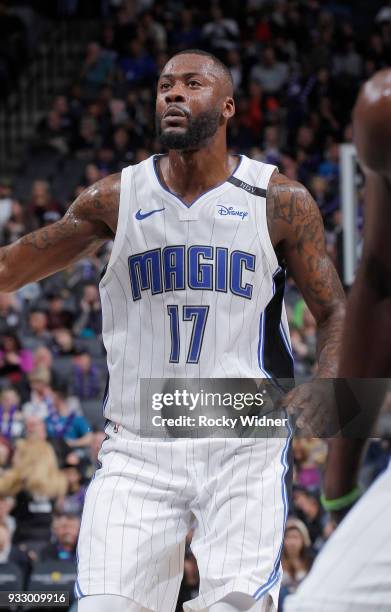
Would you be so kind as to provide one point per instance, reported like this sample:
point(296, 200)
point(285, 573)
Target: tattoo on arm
point(103, 197)
point(291, 207)
point(294, 220)
point(43, 238)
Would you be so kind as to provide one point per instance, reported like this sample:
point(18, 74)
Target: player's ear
point(228, 107)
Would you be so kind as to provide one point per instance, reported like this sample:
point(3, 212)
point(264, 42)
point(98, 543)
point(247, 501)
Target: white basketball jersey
point(191, 291)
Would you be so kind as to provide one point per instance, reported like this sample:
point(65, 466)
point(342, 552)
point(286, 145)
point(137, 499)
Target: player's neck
point(190, 173)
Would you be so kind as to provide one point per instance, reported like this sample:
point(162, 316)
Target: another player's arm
point(296, 229)
point(88, 223)
point(368, 353)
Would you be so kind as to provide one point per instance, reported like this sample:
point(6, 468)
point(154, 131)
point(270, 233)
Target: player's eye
point(164, 86)
point(194, 83)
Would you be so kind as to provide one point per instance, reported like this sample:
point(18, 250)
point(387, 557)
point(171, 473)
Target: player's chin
point(174, 129)
point(174, 123)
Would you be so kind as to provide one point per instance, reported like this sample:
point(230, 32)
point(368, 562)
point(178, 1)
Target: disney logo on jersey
point(225, 211)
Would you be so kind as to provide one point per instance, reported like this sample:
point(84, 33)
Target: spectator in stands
point(241, 135)
point(73, 500)
point(306, 471)
point(11, 417)
point(35, 481)
point(271, 145)
point(37, 332)
point(187, 35)
point(59, 313)
point(329, 168)
point(296, 556)
point(52, 134)
point(85, 380)
point(85, 271)
point(122, 151)
point(308, 509)
point(16, 225)
point(63, 342)
point(6, 450)
point(6, 201)
point(10, 553)
point(6, 505)
point(221, 33)
point(41, 201)
point(12, 354)
point(319, 190)
point(35, 428)
point(61, 106)
point(235, 67)
point(10, 315)
point(63, 422)
point(65, 531)
point(89, 323)
point(43, 358)
point(155, 32)
point(92, 174)
point(256, 108)
point(270, 74)
point(40, 381)
point(97, 69)
point(303, 337)
point(137, 66)
point(87, 139)
point(347, 62)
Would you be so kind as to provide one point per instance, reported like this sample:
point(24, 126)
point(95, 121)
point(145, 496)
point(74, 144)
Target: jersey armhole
point(122, 223)
point(265, 176)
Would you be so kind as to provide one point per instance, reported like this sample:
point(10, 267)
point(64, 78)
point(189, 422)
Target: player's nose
point(175, 94)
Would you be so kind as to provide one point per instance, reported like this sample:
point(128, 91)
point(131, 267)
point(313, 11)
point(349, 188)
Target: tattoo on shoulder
point(104, 195)
point(291, 203)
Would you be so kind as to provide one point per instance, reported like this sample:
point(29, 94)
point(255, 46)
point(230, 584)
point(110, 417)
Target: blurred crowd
point(297, 67)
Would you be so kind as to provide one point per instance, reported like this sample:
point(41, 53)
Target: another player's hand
point(314, 408)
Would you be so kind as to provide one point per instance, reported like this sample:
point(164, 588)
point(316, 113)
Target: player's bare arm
point(88, 223)
point(368, 353)
point(365, 356)
point(297, 233)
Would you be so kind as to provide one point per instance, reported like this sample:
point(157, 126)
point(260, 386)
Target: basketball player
point(194, 288)
point(353, 572)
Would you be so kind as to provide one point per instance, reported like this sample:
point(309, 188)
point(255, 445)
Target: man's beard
point(199, 130)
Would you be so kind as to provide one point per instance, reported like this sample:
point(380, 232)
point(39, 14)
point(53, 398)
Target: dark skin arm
point(88, 223)
point(297, 234)
point(368, 353)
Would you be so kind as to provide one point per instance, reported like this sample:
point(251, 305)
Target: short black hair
point(214, 58)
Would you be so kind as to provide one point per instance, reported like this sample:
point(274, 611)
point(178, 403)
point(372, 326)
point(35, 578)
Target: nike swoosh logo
point(140, 216)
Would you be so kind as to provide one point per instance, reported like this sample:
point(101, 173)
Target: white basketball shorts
point(144, 498)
